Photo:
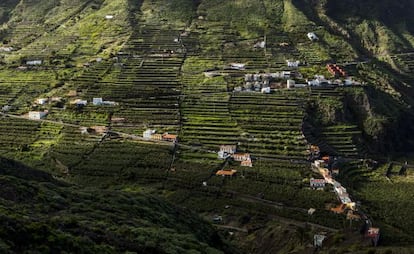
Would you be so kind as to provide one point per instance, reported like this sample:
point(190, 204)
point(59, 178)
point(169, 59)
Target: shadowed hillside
point(40, 214)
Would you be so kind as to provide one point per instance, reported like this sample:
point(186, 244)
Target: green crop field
point(181, 68)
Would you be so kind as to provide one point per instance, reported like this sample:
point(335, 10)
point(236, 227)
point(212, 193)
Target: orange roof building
point(169, 137)
point(156, 137)
point(339, 209)
point(226, 172)
point(246, 163)
point(99, 129)
point(336, 70)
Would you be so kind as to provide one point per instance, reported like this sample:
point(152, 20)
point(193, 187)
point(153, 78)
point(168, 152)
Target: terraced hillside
point(82, 83)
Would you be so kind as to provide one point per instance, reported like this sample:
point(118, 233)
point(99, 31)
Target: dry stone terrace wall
point(338, 138)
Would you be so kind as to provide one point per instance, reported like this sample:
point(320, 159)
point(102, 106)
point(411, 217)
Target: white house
point(84, 130)
point(286, 74)
point(292, 64)
point(318, 240)
point(319, 163)
point(237, 89)
point(6, 49)
point(237, 66)
point(260, 44)
point(319, 79)
point(79, 102)
point(348, 82)
point(34, 62)
point(312, 36)
point(97, 101)
point(290, 84)
point(36, 115)
point(311, 211)
point(109, 16)
point(6, 108)
point(317, 183)
point(222, 155)
point(266, 90)
point(41, 101)
point(82, 102)
point(109, 103)
point(226, 151)
point(148, 133)
point(301, 85)
point(275, 75)
point(56, 99)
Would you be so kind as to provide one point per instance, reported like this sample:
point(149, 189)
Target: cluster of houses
point(95, 102)
point(267, 82)
point(320, 80)
point(230, 151)
point(100, 101)
point(321, 166)
point(43, 101)
point(324, 167)
point(151, 134)
point(263, 82)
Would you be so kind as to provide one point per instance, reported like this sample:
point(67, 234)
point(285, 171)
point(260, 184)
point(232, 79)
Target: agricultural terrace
point(385, 192)
point(155, 77)
point(334, 136)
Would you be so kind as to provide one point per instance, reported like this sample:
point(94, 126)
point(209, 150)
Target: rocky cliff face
point(385, 124)
point(377, 27)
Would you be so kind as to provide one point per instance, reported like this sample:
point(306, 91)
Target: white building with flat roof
point(97, 101)
point(312, 36)
point(37, 115)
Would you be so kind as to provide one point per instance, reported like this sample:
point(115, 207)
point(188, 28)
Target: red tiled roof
point(226, 172)
point(169, 136)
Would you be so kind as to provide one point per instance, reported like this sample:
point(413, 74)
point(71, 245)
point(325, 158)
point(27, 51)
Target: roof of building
point(226, 172)
point(99, 128)
point(246, 163)
point(233, 147)
point(241, 154)
point(373, 232)
point(169, 136)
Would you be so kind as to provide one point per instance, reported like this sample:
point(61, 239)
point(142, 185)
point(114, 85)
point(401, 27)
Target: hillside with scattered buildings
point(284, 126)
